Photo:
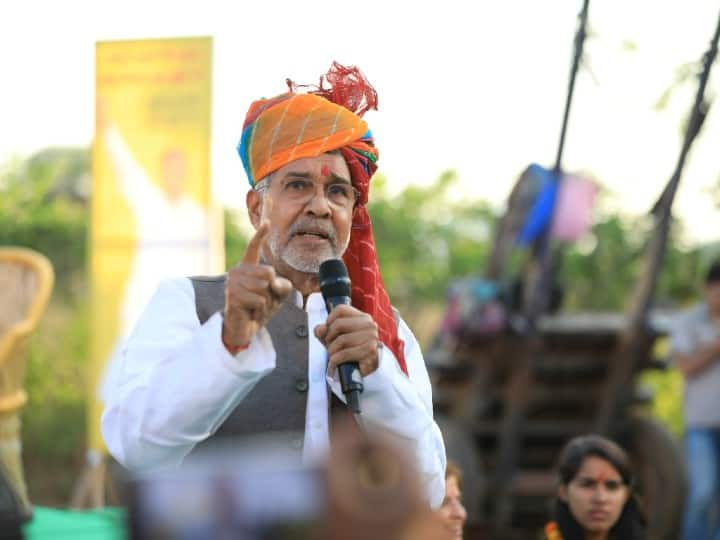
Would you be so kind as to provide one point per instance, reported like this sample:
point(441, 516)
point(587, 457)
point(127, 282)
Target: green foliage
point(54, 423)
point(600, 272)
point(425, 237)
point(235, 238)
point(43, 207)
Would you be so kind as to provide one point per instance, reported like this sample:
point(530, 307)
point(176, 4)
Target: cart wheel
point(660, 473)
point(460, 449)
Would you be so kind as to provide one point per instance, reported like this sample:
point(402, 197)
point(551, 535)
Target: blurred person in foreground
point(373, 492)
point(452, 511)
point(595, 499)
point(255, 350)
point(695, 343)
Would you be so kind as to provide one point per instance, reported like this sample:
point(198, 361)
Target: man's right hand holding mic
point(350, 335)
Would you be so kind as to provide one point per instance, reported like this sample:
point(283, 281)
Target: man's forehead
point(324, 165)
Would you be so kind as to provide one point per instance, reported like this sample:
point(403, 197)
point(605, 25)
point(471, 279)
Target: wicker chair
point(26, 281)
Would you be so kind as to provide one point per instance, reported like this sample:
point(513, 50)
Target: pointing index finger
point(254, 248)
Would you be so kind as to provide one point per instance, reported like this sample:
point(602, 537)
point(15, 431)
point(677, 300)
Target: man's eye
point(338, 190)
point(297, 185)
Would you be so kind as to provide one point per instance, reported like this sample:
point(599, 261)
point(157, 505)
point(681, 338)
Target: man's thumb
point(321, 332)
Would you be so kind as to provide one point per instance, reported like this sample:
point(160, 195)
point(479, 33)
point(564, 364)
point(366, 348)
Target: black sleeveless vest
point(277, 404)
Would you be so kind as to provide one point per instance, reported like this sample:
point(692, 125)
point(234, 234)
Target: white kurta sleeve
point(177, 382)
point(400, 405)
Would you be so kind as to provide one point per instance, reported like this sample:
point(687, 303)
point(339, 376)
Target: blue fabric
point(242, 150)
point(476, 289)
point(702, 459)
point(541, 212)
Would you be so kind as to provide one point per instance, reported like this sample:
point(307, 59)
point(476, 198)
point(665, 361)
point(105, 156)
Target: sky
point(478, 87)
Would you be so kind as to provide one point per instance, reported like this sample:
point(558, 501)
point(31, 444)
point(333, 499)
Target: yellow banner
point(153, 215)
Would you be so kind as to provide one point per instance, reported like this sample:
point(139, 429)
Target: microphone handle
point(350, 376)
point(351, 383)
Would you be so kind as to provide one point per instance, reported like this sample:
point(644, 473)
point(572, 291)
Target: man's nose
point(319, 204)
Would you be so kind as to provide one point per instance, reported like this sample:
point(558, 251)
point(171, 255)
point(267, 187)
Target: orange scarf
point(552, 532)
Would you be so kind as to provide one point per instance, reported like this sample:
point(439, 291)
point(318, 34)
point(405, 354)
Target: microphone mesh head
point(334, 280)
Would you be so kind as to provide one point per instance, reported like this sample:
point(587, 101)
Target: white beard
point(298, 259)
point(304, 260)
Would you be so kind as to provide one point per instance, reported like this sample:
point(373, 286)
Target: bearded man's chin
point(306, 263)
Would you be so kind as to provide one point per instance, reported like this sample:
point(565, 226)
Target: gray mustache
point(312, 225)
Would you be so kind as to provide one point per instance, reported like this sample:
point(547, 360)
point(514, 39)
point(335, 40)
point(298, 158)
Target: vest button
point(301, 330)
point(296, 443)
point(301, 385)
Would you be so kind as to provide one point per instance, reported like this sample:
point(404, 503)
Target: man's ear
point(254, 202)
point(562, 493)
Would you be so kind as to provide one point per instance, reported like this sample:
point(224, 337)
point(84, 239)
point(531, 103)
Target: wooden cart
point(576, 378)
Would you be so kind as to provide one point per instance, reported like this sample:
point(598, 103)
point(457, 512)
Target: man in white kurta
point(185, 377)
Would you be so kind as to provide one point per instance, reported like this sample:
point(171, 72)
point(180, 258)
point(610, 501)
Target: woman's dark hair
point(631, 523)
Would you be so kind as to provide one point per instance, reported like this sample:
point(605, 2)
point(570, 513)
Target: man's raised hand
point(253, 293)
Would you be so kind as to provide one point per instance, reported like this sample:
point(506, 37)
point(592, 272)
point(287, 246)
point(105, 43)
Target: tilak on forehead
point(306, 122)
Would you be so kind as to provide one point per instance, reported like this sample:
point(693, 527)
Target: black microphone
point(335, 288)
